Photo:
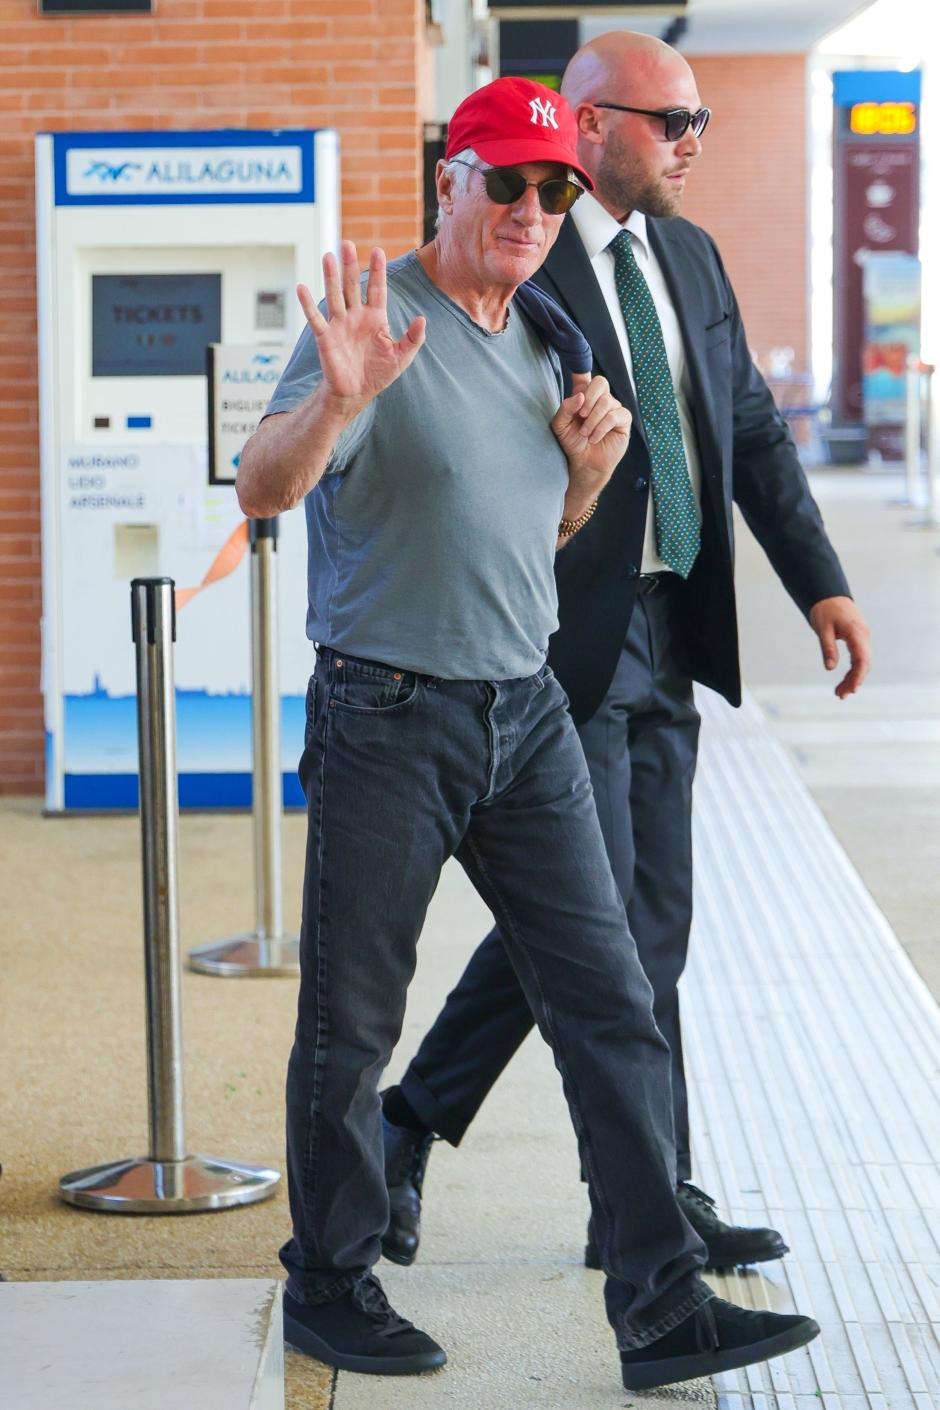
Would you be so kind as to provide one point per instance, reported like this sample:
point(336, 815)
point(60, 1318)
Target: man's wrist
point(334, 410)
point(569, 527)
point(583, 488)
point(577, 502)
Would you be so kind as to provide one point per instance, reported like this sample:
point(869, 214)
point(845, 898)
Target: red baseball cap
point(516, 120)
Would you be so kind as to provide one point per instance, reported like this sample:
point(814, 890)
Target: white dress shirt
point(597, 227)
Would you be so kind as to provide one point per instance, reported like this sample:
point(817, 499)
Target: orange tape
point(225, 561)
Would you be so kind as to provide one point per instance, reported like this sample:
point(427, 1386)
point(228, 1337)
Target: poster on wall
point(143, 511)
point(891, 283)
point(880, 217)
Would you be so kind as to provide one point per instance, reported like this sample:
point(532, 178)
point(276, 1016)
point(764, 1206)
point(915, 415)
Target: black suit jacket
point(747, 456)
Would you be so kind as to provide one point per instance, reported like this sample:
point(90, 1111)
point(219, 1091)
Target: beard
point(627, 188)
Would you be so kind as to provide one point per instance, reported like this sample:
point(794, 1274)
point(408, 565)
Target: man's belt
point(656, 582)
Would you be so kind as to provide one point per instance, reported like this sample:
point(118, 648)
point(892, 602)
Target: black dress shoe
point(717, 1337)
point(728, 1245)
point(360, 1331)
point(406, 1159)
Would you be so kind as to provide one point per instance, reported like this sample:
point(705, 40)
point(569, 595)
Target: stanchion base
point(248, 955)
point(189, 1186)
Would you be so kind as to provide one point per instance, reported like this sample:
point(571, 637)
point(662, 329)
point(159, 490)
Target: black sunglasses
point(505, 186)
point(676, 121)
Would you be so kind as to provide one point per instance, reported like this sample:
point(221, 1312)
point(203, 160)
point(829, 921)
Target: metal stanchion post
point(912, 433)
point(266, 951)
point(167, 1181)
point(933, 450)
point(930, 390)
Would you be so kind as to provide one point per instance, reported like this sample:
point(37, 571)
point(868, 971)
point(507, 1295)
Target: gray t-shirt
point(432, 534)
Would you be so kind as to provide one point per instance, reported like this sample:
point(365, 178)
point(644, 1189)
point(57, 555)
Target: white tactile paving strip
point(814, 1050)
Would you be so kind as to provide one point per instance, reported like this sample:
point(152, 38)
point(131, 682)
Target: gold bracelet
point(567, 527)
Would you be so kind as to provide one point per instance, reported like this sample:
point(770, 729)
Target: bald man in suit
point(646, 589)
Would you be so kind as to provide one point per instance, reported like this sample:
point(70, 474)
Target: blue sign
point(875, 86)
point(224, 167)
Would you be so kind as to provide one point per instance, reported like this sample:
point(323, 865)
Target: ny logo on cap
point(542, 108)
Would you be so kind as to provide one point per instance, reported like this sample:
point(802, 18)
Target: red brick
point(20, 594)
point(199, 31)
point(289, 30)
point(245, 9)
point(750, 191)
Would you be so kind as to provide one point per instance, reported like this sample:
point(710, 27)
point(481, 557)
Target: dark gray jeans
point(641, 748)
point(401, 772)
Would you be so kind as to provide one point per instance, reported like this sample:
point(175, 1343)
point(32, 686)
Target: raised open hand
point(358, 355)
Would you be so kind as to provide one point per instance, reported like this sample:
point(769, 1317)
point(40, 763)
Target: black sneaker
point(727, 1245)
point(406, 1160)
point(717, 1337)
point(360, 1331)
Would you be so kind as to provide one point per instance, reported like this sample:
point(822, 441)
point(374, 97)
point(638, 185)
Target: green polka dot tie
point(675, 511)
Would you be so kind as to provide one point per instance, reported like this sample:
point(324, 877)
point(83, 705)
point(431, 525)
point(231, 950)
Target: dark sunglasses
point(505, 186)
point(676, 121)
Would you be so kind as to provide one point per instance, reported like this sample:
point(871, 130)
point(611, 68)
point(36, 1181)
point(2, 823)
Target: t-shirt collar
point(597, 227)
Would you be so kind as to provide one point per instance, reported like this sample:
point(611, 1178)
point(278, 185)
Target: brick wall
point(356, 66)
point(750, 190)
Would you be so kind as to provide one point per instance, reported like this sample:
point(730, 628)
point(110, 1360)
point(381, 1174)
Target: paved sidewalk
point(872, 763)
point(813, 1049)
point(828, 1083)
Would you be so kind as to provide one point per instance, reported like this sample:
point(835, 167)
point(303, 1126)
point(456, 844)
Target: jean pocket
point(310, 710)
point(368, 687)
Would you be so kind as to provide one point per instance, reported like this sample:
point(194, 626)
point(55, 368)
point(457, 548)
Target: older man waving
point(440, 468)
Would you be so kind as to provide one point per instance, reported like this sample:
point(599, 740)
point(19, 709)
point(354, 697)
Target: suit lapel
point(567, 275)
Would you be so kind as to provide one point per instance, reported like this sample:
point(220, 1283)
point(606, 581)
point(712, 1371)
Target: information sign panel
point(876, 166)
point(153, 325)
point(241, 381)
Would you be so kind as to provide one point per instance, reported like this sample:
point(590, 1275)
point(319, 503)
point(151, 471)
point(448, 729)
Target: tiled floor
point(815, 1050)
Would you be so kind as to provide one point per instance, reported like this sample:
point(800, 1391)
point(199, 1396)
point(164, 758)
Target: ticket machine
point(152, 246)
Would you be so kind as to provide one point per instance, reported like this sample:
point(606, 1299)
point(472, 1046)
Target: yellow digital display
point(550, 80)
point(883, 119)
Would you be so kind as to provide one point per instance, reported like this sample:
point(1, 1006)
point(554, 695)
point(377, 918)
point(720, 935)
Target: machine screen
point(153, 325)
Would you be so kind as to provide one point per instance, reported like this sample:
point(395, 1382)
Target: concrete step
point(155, 1345)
